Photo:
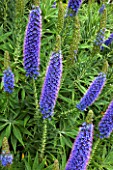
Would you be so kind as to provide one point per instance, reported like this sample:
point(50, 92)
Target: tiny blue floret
point(54, 4)
point(102, 9)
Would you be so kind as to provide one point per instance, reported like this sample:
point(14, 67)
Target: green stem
point(6, 110)
point(94, 150)
point(69, 111)
point(44, 138)
point(36, 100)
point(56, 165)
point(5, 13)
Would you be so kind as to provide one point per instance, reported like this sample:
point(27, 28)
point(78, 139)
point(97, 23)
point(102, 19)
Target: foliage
point(20, 119)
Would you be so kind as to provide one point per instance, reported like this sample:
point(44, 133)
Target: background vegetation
point(17, 111)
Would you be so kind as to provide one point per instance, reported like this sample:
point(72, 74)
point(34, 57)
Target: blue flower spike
point(8, 80)
point(6, 158)
point(93, 92)
point(73, 7)
point(107, 42)
point(106, 123)
point(32, 42)
point(51, 85)
point(80, 154)
point(100, 38)
point(102, 8)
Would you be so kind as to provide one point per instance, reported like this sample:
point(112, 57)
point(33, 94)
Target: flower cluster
point(80, 153)
point(102, 9)
point(100, 38)
point(106, 124)
point(8, 80)
point(6, 158)
point(32, 44)
point(93, 92)
point(54, 5)
point(73, 7)
point(108, 41)
point(51, 85)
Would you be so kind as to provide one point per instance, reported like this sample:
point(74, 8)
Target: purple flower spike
point(93, 92)
point(32, 44)
point(100, 38)
point(102, 9)
point(6, 159)
point(8, 81)
point(73, 7)
point(54, 5)
point(51, 85)
point(81, 150)
point(108, 41)
point(106, 123)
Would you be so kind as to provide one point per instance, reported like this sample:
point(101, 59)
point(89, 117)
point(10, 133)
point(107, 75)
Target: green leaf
point(29, 159)
point(2, 135)
point(80, 87)
point(23, 94)
point(25, 131)
point(72, 134)
point(5, 36)
point(63, 162)
point(49, 167)
point(65, 99)
point(2, 126)
point(67, 141)
point(26, 120)
point(17, 134)
point(109, 167)
point(27, 166)
point(35, 164)
point(14, 142)
point(8, 130)
point(2, 84)
point(41, 166)
point(62, 141)
point(82, 46)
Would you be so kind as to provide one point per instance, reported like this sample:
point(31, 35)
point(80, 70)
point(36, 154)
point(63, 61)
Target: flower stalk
point(60, 22)
point(74, 43)
point(36, 99)
point(44, 138)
